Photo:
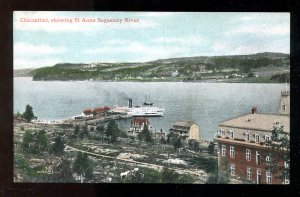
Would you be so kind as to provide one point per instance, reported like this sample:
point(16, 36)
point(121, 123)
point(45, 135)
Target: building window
point(268, 159)
point(257, 158)
point(222, 133)
point(283, 107)
point(286, 179)
point(232, 151)
point(258, 176)
point(269, 177)
point(231, 134)
point(286, 164)
point(248, 154)
point(267, 138)
point(249, 174)
point(256, 138)
point(223, 150)
point(232, 170)
point(247, 137)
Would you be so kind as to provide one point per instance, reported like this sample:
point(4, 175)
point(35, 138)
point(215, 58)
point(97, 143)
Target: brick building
point(241, 146)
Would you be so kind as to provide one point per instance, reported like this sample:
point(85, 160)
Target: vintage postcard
point(151, 97)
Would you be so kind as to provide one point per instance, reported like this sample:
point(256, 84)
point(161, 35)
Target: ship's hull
point(141, 111)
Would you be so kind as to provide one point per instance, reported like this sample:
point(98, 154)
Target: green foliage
point(28, 114)
point(42, 140)
point(100, 129)
point(279, 148)
point(250, 75)
point(28, 138)
point(82, 165)
point(145, 135)
point(76, 130)
point(215, 178)
point(63, 173)
point(211, 147)
point(34, 142)
point(177, 143)
point(113, 131)
point(169, 176)
point(188, 68)
point(282, 78)
point(58, 146)
point(209, 164)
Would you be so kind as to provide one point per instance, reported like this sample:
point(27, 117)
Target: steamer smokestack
point(253, 110)
point(130, 103)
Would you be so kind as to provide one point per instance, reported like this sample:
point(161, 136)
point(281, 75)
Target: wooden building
point(187, 130)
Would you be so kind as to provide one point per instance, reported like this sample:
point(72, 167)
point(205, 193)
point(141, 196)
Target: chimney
point(130, 103)
point(253, 110)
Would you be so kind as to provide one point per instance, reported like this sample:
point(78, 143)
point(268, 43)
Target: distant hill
point(184, 68)
point(23, 72)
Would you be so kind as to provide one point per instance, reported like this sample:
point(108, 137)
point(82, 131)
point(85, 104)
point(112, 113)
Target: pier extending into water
point(95, 120)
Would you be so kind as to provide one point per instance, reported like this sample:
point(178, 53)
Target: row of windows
point(248, 154)
point(258, 175)
point(247, 136)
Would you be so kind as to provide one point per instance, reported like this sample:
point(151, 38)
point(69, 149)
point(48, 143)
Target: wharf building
point(187, 130)
point(242, 150)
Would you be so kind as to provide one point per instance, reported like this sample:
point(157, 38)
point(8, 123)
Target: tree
point(169, 176)
point(215, 178)
point(113, 130)
point(279, 148)
point(76, 130)
point(145, 135)
point(63, 173)
point(100, 129)
point(28, 139)
point(211, 147)
point(250, 75)
point(42, 140)
point(28, 114)
point(58, 146)
point(82, 165)
point(177, 143)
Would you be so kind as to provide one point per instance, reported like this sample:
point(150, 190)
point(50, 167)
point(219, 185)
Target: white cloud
point(28, 55)
point(227, 48)
point(34, 63)
point(143, 51)
point(22, 49)
point(188, 40)
point(260, 30)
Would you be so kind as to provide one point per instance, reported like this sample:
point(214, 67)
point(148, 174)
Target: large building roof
point(256, 121)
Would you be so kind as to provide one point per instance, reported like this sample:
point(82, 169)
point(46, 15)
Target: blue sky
point(156, 35)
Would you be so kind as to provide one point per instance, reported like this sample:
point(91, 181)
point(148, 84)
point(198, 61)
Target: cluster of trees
point(145, 135)
point(282, 78)
point(34, 142)
point(28, 115)
point(37, 141)
point(83, 165)
point(279, 149)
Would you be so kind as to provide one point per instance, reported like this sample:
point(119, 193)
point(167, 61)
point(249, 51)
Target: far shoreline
point(239, 80)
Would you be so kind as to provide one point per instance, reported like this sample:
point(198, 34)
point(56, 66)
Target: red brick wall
point(241, 163)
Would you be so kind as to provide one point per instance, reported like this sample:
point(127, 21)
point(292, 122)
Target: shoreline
point(265, 81)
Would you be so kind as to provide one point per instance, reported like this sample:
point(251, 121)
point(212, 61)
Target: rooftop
point(258, 122)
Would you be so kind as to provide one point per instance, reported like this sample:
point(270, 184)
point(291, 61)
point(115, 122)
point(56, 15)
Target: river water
point(207, 104)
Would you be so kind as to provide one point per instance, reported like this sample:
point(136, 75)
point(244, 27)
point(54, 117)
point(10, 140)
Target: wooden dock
point(96, 120)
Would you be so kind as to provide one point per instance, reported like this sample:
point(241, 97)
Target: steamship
point(138, 110)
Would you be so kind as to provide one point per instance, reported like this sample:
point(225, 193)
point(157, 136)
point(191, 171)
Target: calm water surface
point(207, 104)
